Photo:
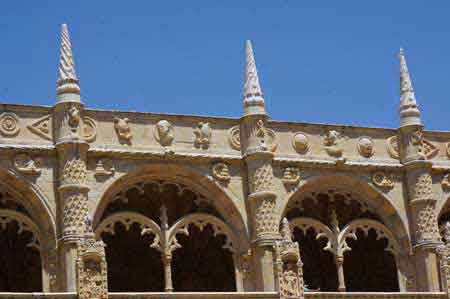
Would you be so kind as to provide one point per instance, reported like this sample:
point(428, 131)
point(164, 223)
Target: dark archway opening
point(319, 269)
point(133, 266)
point(20, 264)
point(202, 264)
point(368, 267)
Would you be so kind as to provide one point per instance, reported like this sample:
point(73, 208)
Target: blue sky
point(318, 61)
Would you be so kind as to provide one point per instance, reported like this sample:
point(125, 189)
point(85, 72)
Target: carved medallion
point(291, 176)
point(426, 148)
point(123, 129)
point(221, 172)
point(9, 124)
point(392, 147)
point(300, 143)
point(163, 133)
point(366, 147)
point(104, 168)
point(202, 135)
point(445, 183)
point(89, 129)
point(26, 165)
point(234, 138)
point(383, 180)
point(332, 143)
point(42, 127)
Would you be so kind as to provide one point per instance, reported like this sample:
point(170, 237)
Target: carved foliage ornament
point(221, 172)
point(164, 133)
point(26, 165)
point(123, 129)
point(300, 143)
point(332, 143)
point(9, 124)
point(202, 135)
point(42, 127)
point(383, 180)
point(366, 147)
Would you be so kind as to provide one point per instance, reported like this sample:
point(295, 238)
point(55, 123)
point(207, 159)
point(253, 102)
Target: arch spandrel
point(230, 206)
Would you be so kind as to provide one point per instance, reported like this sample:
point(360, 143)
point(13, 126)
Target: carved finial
point(253, 96)
point(67, 77)
point(409, 110)
point(286, 232)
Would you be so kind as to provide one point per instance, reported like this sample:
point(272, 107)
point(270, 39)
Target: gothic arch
point(224, 201)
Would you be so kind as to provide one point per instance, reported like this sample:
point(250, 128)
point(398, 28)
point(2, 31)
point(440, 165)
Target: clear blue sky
point(318, 61)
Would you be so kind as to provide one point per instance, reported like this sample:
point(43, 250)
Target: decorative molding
point(164, 133)
point(366, 147)
point(221, 172)
point(202, 135)
point(42, 127)
point(9, 124)
point(234, 138)
point(89, 129)
point(300, 143)
point(104, 168)
point(26, 165)
point(291, 176)
point(123, 129)
point(383, 180)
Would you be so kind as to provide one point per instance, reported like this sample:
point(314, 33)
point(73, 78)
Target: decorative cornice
point(253, 95)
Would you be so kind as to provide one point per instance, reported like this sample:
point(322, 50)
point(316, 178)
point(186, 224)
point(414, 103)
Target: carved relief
point(26, 165)
point(104, 167)
point(266, 221)
point(262, 179)
point(300, 143)
point(448, 150)
point(420, 187)
point(383, 180)
point(74, 172)
point(332, 143)
point(445, 183)
point(234, 138)
point(75, 211)
point(123, 129)
point(425, 148)
point(89, 129)
point(427, 224)
point(202, 135)
point(220, 172)
point(392, 147)
point(74, 116)
point(9, 124)
point(164, 133)
point(42, 127)
point(291, 176)
point(366, 147)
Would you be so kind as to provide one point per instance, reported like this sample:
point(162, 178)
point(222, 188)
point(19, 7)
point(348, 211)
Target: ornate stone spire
point(409, 111)
point(67, 78)
point(253, 96)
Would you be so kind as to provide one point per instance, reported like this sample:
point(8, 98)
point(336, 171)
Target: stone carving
point(300, 143)
point(164, 133)
point(74, 172)
point(366, 147)
point(202, 135)
point(443, 251)
point(234, 138)
point(383, 180)
point(104, 167)
point(42, 127)
point(266, 221)
point(9, 124)
point(75, 210)
point(427, 224)
point(445, 183)
point(89, 129)
point(421, 187)
point(392, 147)
point(291, 176)
point(262, 179)
point(74, 118)
point(447, 150)
point(332, 142)
point(123, 130)
point(26, 165)
point(221, 172)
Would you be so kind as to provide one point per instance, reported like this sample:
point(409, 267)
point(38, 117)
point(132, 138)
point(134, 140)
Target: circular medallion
point(234, 138)
point(300, 143)
point(9, 124)
point(89, 129)
point(366, 147)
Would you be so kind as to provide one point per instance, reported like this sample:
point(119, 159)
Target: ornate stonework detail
point(300, 143)
point(265, 218)
point(392, 147)
point(332, 143)
point(27, 165)
point(427, 224)
point(444, 258)
point(23, 224)
point(75, 211)
point(262, 179)
point(421, 187)
point(445, 183)
point(383, 180)
point(234, 138)
point(447, 150)
point(291, 176)
point(42, 127)
point(163, 133)
point(221, 172)
point(202, 135)
point(74, 118)
point(74, 172)
point(409, 110)
point(89, 129)
point(253, 95)
point(9, 124)
point(123, 130)
point(366, 147)
point(104, 167)
point(67, 78)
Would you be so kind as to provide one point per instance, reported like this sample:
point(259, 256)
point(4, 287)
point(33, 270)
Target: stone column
point(340, 272)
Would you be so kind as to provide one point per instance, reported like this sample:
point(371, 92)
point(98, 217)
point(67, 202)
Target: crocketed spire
point(409, 111)
point(253, 96)
point(67, 77)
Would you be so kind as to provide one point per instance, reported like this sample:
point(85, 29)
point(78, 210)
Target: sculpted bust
point(123, 129)
point(164, 132)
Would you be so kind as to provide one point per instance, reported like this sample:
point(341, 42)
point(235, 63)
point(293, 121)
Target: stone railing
point(200, 295)
point(339, 295)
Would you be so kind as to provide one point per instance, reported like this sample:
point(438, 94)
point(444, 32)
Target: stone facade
point(64, 164)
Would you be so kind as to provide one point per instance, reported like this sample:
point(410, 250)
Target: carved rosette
point(221, 172)
point(9, 124)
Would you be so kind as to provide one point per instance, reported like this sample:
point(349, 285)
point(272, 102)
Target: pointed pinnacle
point(67, 77)
point(409, 111)
point(253, 96)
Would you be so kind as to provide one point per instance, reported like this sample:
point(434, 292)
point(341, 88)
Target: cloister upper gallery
point(172, 203)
